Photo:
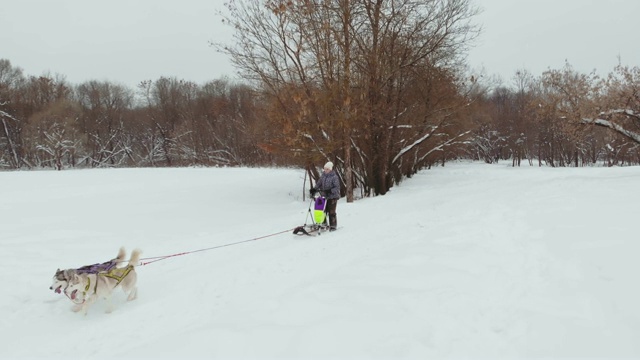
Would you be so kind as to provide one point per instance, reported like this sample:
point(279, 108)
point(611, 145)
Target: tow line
point(150, 260)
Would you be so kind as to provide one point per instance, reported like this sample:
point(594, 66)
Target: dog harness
point(117, 273)
point(87, 269)
point(97, 268)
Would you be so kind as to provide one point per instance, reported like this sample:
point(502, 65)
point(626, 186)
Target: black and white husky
point(85, 289)
point(61, 277)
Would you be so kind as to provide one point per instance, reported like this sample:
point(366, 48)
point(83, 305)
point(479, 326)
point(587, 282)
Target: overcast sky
point(540, 34)
point(127, 41)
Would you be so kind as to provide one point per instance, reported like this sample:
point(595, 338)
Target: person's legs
point(331, 211)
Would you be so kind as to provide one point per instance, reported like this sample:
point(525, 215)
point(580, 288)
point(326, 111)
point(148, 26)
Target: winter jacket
point(329, 185)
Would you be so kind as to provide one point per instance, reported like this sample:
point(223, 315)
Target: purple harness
point(87, 269)
point(96, 268)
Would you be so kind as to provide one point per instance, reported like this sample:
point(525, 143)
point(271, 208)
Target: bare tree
point(620, 110)
point(46, 104)
point(166, 101)
point(58, 136)
point(11, 79)
point(573, 100)
point(337, 76)
point(104, 110)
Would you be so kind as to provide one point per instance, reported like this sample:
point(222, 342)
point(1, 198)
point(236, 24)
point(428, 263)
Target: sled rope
point(149, 260)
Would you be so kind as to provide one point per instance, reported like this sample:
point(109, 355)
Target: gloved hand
point(312, 192)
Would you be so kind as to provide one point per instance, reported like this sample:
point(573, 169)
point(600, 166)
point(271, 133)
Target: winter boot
point(333, 222)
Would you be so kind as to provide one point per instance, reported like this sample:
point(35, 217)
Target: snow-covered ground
point(469, 260)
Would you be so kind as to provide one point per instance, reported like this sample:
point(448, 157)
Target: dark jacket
point(329, 185)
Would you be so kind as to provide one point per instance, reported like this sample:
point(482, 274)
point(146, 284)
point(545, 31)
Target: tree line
point(381, 88)
point(49, 123)
point(562, 118)
point(378, 87)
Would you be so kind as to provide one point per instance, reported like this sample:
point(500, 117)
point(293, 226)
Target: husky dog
point(61, 278)
point(85, 289)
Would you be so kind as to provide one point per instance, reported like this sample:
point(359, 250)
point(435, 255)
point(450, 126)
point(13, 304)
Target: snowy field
point(466, 261)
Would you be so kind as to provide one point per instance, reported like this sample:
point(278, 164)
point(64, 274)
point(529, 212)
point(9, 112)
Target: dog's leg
point(133, 294)
point(85, 308)
point(76, 307)
point(109, 304)
point(90, 300)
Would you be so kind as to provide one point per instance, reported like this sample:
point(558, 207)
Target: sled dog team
point(85, 285)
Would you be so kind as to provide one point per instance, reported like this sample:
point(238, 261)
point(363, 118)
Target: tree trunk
point(16, 163)
point(348, 172)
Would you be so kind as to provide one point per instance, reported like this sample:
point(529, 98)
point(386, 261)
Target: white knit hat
point(328, 165)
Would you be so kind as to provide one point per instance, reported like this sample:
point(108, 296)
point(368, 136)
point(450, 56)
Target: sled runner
point(318, 217)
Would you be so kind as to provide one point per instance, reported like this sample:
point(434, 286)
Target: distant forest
point(378, 90)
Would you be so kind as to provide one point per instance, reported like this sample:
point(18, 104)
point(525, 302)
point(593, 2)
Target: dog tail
point(135, 257)
point(122, 255)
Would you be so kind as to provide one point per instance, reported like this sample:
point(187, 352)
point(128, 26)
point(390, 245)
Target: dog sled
point(319, 223)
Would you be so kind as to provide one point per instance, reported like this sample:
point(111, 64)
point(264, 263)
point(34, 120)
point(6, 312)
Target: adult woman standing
point(329, 186)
